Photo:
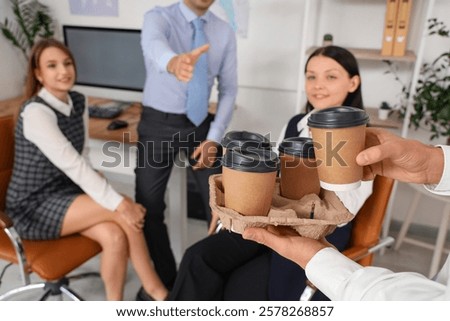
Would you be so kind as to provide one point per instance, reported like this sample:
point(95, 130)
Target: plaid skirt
point(43, 216)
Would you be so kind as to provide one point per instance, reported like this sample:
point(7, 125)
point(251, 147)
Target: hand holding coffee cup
point(339, 135)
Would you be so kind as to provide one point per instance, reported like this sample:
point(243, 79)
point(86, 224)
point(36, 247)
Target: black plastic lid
point(338, 117)
point(255, 160)
point(245, 139)
point(297, 146)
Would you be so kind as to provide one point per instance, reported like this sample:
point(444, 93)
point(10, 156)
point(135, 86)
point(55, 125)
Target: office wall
point(268, 58)
point(12, 63)
point(263, 90)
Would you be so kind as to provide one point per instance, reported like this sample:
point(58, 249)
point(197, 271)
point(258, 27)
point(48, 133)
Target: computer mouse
point(117, 124)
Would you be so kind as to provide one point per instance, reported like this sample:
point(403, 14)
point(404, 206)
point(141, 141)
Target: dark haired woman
point(226, 267)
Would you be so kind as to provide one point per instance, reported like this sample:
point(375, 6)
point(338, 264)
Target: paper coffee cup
point(298, 171)
point(338, 134)
point(248, 177)
point(244, 139)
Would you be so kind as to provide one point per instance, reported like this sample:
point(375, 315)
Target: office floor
point(407, 258)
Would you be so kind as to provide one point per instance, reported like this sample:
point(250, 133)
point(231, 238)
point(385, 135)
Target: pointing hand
point(182, 66)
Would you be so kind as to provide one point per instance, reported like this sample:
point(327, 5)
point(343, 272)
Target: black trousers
point(220, 267)
point(162, 136)
point(224, 266)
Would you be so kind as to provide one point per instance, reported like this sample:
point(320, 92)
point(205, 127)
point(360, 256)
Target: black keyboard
point(104, 112)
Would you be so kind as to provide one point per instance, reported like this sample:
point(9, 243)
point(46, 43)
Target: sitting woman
point(54, 192)
point(224, 266)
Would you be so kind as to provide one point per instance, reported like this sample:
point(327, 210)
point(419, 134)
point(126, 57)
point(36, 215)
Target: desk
point(98, 126)
point(131, 114)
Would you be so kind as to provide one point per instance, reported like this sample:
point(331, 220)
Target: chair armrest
point(5, 221)
point(356, 253)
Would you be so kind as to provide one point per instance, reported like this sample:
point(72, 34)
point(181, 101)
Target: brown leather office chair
point(50, 260)
point(365, 239)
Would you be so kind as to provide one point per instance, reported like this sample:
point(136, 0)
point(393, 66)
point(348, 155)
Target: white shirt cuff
point(329, 269)
point(443, 187)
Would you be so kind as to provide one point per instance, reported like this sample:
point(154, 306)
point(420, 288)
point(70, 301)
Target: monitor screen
point(106, 57)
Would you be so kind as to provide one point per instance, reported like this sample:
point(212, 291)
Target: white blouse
point(41, 128)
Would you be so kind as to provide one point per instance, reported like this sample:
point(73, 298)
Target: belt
point(154, 114)
point(160, 115)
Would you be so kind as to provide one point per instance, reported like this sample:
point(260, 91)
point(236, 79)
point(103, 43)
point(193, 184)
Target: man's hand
point(286, 242)
point(182, 66)
point(406, 160)
point(205, 154)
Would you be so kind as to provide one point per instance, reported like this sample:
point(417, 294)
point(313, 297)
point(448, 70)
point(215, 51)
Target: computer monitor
point(109, 61)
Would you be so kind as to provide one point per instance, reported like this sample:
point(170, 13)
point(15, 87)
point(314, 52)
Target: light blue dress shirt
point(167, 32)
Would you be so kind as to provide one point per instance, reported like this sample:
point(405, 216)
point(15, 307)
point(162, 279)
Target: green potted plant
point(384, 110)
point(431, 101)
point(32, 21)
point(327, 39)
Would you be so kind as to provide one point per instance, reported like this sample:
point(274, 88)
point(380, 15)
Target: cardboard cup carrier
point(298, 168)
point(339, 135)
point(249, 176)
point(296, 214)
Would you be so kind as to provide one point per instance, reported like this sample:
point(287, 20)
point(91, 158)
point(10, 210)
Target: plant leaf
point(32, 20)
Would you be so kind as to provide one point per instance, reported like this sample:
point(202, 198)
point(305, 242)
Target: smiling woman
point(53, 67)
point(340, 74)
point(62, 194)
point(241, 270)
point(56, 72)
point(328, 83)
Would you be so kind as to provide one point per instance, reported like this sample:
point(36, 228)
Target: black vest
point(34, 177)
point(291, 128)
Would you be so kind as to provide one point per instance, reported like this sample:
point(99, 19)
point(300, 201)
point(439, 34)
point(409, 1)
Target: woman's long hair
point(346, 59)
point(32, 84)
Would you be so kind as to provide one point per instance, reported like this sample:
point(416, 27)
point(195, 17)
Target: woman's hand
point(132, 212)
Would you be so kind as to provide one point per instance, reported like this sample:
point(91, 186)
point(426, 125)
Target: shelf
point(374, 54)
point(393, 120)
